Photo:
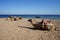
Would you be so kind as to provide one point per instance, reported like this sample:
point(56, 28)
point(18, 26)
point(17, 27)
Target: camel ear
point(42, 21)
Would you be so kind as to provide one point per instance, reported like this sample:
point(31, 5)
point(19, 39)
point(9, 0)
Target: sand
point(23, 30)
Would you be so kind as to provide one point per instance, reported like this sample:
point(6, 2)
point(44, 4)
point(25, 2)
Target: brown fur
point(40, 25)
point(36, 25)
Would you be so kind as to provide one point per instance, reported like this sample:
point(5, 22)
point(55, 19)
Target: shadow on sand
point(31, 28)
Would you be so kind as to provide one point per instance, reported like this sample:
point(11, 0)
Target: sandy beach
point(23, 30)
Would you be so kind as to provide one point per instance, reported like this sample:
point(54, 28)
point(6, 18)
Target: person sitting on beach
point(48, 25)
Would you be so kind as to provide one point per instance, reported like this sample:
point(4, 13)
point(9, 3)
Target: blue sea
point(33, 16)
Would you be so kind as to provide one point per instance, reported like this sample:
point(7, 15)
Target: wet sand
point(23, 30)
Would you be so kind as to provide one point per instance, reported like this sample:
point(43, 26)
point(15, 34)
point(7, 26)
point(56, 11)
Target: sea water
point(34, 16)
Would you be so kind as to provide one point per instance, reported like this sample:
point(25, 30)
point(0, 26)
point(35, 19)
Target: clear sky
point(30, 7)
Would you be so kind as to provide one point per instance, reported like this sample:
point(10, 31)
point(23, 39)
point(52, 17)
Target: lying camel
point(19, 18)
point(42, 25)
point(13, 18)
point(36, 25)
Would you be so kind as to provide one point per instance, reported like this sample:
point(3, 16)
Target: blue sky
point(30, 7)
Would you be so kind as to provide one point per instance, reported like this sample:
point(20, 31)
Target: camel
point(13, 18)
point(19, 18)
point(42, 25)
point(37, 25)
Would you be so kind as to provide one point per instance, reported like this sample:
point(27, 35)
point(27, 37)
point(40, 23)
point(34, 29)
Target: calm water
point(33, 16)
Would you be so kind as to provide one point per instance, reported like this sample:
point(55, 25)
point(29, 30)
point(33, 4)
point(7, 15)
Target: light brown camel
point(11, 18)
point(14, 18)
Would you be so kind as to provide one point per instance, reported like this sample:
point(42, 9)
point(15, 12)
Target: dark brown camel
point(36, 25)
point(42, 25)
